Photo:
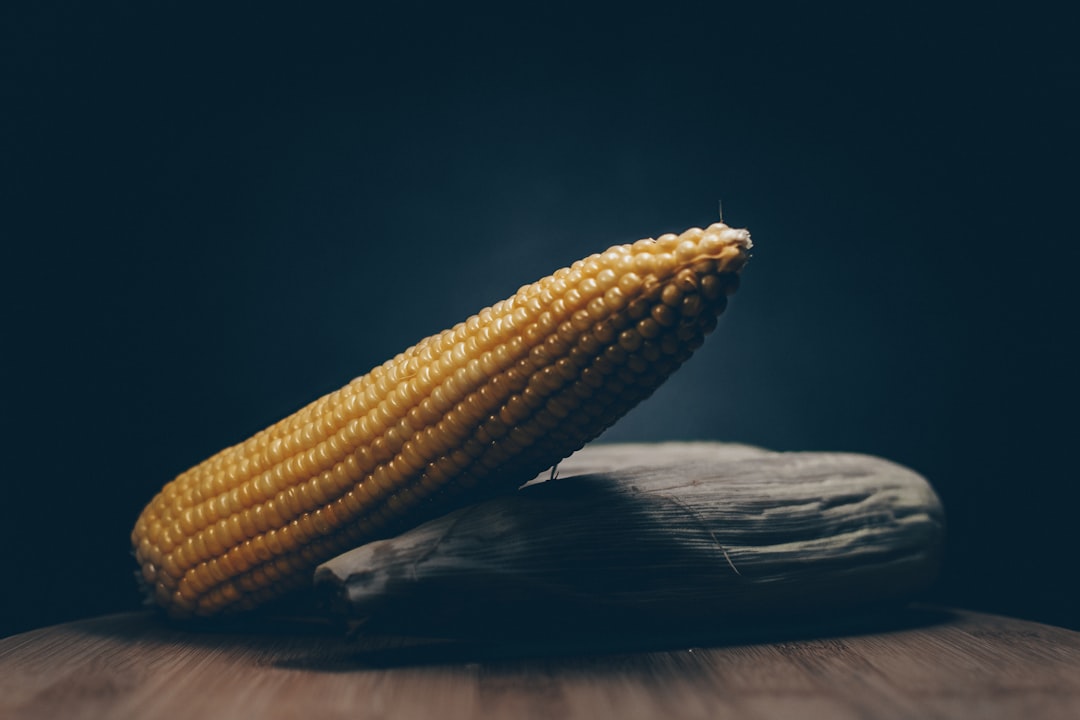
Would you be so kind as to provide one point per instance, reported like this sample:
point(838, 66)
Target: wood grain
point(921, 663)
point(872, 663)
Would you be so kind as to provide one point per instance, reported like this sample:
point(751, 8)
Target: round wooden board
point(920, 662)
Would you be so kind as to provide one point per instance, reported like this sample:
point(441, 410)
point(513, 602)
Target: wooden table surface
point(914, 663)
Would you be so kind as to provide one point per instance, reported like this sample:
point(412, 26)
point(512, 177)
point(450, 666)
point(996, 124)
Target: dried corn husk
point(675, 534)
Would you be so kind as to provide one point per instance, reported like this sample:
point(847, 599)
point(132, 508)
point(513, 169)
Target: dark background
point(210, 218)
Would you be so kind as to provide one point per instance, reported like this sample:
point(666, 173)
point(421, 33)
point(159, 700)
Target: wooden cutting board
point(687, 569)
point(920, 663)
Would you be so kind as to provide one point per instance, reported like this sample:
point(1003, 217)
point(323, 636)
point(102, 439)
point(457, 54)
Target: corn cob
point(485, 405)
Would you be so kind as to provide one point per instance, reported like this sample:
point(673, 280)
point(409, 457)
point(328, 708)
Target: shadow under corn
point(605, 647)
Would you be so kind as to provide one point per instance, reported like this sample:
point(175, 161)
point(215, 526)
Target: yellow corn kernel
point(485, 405)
